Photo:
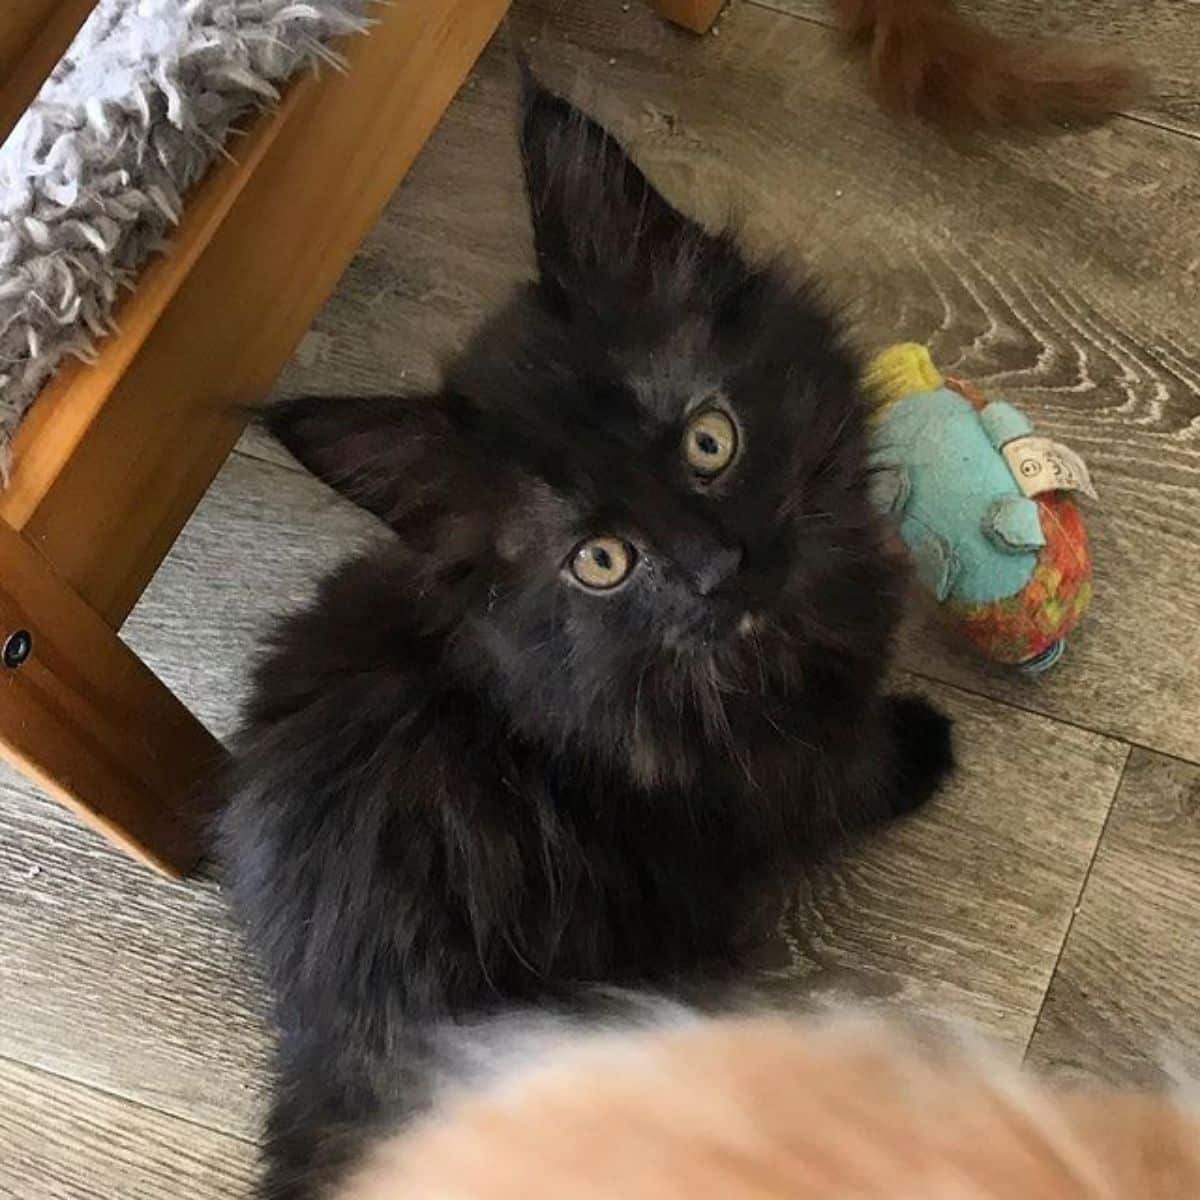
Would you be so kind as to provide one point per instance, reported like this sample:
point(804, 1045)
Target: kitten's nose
point(717, 568)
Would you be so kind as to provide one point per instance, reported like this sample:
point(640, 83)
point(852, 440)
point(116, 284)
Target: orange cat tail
point(928, 60)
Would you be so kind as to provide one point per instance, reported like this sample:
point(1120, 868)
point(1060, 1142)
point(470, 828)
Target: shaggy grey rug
point(93, 176)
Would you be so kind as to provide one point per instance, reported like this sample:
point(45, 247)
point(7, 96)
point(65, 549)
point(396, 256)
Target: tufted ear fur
point(601, 231)
point(419, 463)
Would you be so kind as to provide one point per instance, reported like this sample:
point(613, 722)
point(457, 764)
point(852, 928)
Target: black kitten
point(618, 669)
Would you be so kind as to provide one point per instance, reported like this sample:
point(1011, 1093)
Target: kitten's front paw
point(924, 751)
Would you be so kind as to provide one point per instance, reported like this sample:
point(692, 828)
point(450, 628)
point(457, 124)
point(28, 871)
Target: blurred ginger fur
point(750, 1108)
point(929, 59)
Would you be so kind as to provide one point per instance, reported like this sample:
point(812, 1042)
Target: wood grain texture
point(960, 912)
point(696, 15)
point(127, 983)
point(1162, 35)
point(1125, 1001)
point(1062, 274)
point(108, 975)
point(91, 722)
point(112, 509)
point(34, 35)
point(66, 1142)
point(63, 1141)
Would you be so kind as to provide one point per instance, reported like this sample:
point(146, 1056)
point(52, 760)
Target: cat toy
point(984, 507)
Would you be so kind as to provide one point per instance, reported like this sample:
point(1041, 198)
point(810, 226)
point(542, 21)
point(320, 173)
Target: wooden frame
point(33, 36)
point(114, 456)
point(696, 15)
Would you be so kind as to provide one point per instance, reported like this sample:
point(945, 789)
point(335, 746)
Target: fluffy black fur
point(464, 778)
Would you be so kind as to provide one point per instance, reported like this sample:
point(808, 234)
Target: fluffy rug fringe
point(93, 176)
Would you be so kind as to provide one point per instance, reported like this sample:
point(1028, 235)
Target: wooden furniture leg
point(696, 15)
point(83, 715)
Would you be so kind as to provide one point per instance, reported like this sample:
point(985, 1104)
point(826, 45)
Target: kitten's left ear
point(600, 229)
point(420, 463)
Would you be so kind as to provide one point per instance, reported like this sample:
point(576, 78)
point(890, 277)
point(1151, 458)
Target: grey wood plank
point(961, 911)
point(66, 1142)
point(253, 550)
point(1124, 1004)
point(121, 980)
point(1061, 274)
point(1162, 35)
point(452, 243)
point(109, 974)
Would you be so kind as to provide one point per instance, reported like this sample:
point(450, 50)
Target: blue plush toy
point(982, 504)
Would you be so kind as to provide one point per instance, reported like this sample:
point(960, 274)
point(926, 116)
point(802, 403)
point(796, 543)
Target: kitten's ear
point(415, 462)
point(599, 227)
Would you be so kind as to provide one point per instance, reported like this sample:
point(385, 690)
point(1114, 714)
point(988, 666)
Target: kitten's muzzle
point(715, 619)
point(716, 569)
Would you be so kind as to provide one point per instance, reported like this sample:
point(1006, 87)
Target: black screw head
point(17, 648)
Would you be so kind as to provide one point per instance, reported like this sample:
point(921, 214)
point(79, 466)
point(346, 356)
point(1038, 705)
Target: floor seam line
point(96, 1089)
point(1077, 906)
point(1120, 738)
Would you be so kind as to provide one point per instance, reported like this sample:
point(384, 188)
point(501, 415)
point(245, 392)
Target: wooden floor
point(1051, 896)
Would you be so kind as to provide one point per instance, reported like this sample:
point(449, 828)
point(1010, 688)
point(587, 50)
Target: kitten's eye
point(710, 442)
point(601, 563)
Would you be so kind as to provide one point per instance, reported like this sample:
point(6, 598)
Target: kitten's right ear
point(600, 228)
point(407, 459)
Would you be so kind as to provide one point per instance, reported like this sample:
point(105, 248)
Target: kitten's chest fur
point(442, 849)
